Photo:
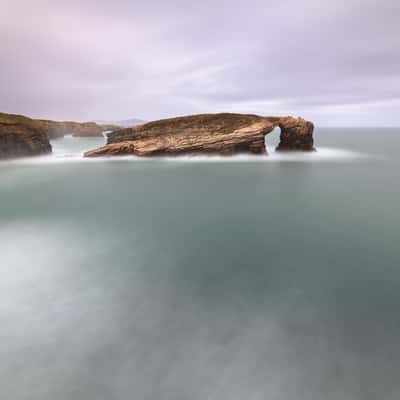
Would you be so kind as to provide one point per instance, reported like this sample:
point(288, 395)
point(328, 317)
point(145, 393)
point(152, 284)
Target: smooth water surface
point(244, 278)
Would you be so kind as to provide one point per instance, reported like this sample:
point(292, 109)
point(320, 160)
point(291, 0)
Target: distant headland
point(21, 136)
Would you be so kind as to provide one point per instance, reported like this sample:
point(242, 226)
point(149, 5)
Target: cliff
point(57, 129)
point(21, 137)
point(223, 134)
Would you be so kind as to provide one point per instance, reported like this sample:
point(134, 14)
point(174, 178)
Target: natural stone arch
point(296, 135)
point(221, 134)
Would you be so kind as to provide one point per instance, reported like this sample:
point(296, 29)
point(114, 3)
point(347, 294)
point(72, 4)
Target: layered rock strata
point(56, 129)
point(22, 137)
point(221, 134)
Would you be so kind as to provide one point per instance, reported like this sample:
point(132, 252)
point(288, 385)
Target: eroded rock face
point(222, 134)
point(56, 129)
point(22, 137)
point(296, 135)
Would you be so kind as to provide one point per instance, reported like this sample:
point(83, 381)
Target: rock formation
point(222, 134)
point(57, 129)
point(21, 137)
point(296, 135)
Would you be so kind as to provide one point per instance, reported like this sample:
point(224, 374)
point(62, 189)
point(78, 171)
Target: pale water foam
point(70, 149)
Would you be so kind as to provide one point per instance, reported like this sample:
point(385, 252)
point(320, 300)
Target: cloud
point(111, 60)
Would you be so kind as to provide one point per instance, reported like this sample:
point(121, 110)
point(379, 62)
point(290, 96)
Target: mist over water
point(240, 278)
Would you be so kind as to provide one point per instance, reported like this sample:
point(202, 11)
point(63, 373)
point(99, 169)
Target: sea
point(203, 278)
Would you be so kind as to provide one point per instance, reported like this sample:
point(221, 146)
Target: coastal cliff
point(56, 129)
point(220, 134)
point(21, 137)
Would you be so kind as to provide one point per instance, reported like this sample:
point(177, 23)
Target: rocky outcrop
point(56, 129)
point(296, 135)
point(21, 137)
point(211, 134)
point(222, 134)
point(53, 129)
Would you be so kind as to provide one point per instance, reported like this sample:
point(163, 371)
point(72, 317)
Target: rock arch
point(296, 134)
point(223, 134)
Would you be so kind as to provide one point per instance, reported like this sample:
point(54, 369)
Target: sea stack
point(296, 135)
point(22, 137)
point(207, 134)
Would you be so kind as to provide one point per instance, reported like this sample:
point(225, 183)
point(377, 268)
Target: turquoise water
point(244, 278)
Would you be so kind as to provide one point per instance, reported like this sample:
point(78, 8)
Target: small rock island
point(207, 134)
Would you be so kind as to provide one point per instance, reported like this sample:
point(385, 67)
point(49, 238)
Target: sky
point(334, 62)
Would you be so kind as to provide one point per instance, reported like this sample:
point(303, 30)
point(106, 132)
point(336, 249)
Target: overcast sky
point(335, 62)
